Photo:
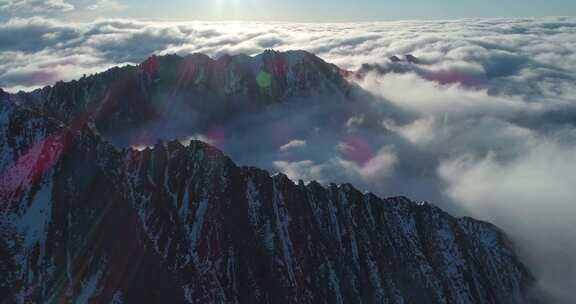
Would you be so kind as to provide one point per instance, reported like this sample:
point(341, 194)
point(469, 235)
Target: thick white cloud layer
point(484, 125)
point(534, 192)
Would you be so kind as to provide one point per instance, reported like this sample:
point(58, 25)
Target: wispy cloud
point(36, 6)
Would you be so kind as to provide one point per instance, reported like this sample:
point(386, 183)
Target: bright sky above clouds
point(289, 10)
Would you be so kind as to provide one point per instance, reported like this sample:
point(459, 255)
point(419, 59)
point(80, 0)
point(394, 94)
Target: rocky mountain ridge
point(83, 221)
point(162, 88)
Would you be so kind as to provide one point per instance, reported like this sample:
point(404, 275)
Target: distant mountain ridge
point(83, 221)
point(164, 87)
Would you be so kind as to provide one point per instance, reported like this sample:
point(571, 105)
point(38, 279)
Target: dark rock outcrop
point(412, 59)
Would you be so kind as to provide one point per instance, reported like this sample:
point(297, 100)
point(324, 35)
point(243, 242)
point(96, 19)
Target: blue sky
point(286, 10)
point(331, 10)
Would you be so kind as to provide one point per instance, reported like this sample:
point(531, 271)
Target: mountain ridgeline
point(85, 221)
point(173, 94)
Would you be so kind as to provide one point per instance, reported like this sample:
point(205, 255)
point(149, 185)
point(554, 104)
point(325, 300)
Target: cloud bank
point(483, 125)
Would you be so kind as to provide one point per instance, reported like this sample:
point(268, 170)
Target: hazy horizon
point(287, 11)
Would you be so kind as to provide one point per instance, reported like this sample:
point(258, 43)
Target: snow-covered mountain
point(84, 221)
point(169, 90)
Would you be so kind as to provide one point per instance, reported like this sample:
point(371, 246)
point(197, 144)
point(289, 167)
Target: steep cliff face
point(82, 221)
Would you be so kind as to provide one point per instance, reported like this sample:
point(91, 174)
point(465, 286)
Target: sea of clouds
point(484, 125)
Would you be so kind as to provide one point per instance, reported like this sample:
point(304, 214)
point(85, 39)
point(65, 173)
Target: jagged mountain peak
point(162, 87)
point(282, 67)
point(259, 61)
point(181, 223)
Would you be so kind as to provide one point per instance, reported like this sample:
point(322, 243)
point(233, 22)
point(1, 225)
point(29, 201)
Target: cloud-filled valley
point(484, 124)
